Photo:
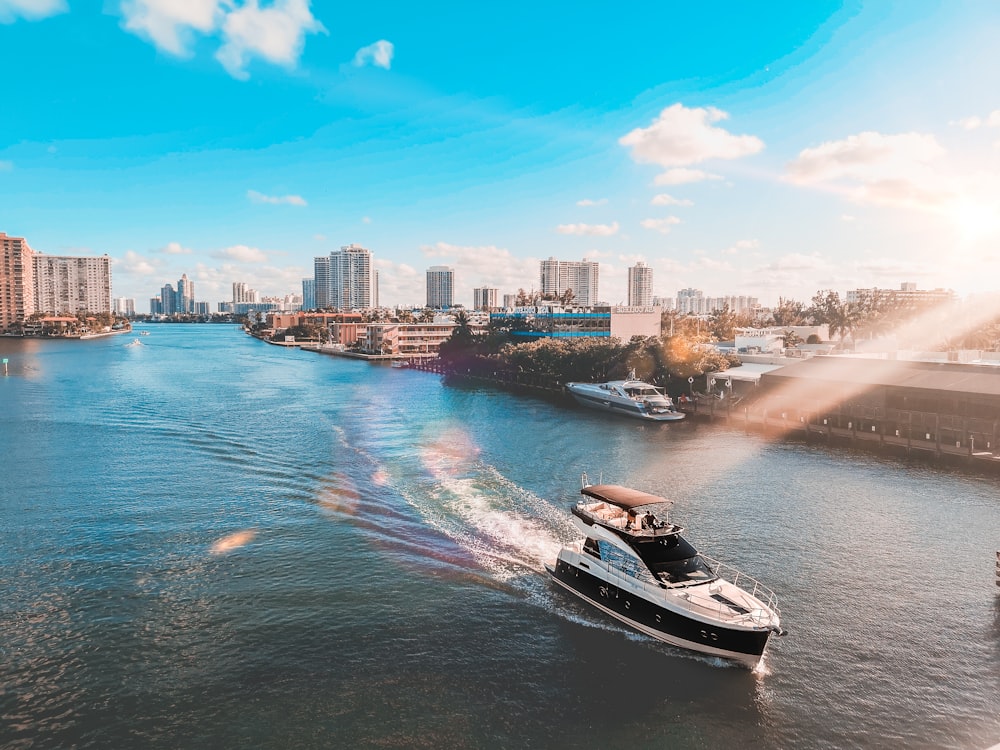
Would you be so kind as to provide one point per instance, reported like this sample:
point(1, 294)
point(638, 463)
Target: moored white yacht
point(631, 397)
point(634, 565)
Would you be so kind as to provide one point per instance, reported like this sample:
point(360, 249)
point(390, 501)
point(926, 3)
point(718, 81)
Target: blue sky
point(771, 150)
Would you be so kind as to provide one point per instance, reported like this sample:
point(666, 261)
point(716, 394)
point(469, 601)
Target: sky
point(763, 149)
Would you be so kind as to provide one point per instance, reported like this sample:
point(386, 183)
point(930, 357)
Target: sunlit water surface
point(208, 541)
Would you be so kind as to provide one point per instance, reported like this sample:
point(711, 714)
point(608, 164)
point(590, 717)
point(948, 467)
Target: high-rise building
point(510, 300)
point(485, 298)
point(72, 284)
point(440, 287)
point(308, 294)
point(185, 295)
point(124, 306)
point(581, 277)
point(17, 287)
point(346, 280)
point(640, 285)
point(168, 300)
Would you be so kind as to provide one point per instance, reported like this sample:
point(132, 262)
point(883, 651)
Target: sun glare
point(975, 219)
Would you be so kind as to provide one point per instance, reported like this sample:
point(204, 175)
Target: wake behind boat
point(635, 566)
point(631, 397)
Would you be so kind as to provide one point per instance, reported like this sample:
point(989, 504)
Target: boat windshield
point(674, 559)
point(643, 391)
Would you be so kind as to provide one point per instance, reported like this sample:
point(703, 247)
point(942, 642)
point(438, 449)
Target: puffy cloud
point(684, 176)
point(30, 10)
point(681, 136)
point(243, 254)
point(590, 202)
point(889, 170)
point(868, 156)
point(594, 230)
point(975, 122)
point(378, 54)
point(663, 226)
point(292, 200)
point(276, 33)
point(668, 200)
point(134, 264)
point(740, 246)
point(169, 23)
point(175, 248)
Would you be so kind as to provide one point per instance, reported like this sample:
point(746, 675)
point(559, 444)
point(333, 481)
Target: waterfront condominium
point(69, 285)
point(17, 288)
point(558, 276)
point(440, 287)
point(485, 298)
point(640, 285)
point(346, 280)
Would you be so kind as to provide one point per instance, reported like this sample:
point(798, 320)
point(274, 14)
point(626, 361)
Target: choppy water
point(207, 541)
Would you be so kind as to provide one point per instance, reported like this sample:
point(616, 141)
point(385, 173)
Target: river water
point(206, 541)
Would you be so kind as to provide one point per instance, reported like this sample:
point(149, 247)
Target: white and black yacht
point(630, 397)
point(634, 565)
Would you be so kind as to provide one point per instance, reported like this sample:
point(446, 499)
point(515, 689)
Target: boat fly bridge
point(634, 564)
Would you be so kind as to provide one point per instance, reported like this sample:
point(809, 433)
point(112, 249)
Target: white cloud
point(378, 54)
point(975, 121)
point(681, 136)
point(663, 226)
point(740, 246)
point(175, 248)
point(888, 170)
point(134, 264)
point(169, 23)
point(30, 10)
point(868, 156)
point(292, 200)
point(366, 219)
point(243, 254)
point(668, 200)
point(683, 176)
point(594, 230)
point(6, 166)
point(590, 202)
point(847, 217)
point(275, 33)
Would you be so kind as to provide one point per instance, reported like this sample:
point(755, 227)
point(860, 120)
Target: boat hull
point(743, 645)
point(602, 402)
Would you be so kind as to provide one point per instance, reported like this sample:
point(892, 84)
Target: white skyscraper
point(440, 287)
point(556, 276)
point(640, 285)
point(346, 280)
point(485, 298)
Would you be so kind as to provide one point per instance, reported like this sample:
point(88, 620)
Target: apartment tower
point(440, 287)
point(640, 285)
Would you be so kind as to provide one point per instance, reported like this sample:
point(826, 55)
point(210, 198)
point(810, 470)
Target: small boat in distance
point(634, 565)
point(144, 333)
point(134, 342)
point(631, 397)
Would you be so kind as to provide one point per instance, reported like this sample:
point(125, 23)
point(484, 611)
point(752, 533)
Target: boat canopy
point(623, 497)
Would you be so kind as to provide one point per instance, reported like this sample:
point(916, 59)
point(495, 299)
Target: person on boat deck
point(630, 520)
point(648, 522)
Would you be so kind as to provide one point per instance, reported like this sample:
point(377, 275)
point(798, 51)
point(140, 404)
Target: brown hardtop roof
point(623, 497)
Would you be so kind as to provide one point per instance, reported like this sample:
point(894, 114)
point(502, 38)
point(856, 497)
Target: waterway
point(206, 541)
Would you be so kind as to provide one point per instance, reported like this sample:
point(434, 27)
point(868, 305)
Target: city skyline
point(763, 151)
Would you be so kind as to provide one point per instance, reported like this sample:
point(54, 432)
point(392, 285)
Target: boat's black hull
point(745, 646)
